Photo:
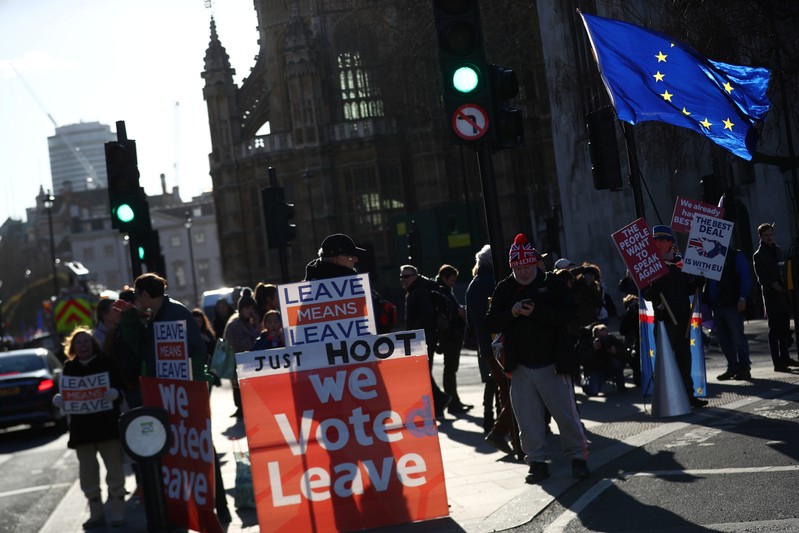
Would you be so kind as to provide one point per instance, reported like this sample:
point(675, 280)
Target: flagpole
point(635, 170)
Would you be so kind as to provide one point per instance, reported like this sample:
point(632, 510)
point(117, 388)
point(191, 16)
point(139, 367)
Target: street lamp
point(187, 224)
point(307, 178)
point(49, 202)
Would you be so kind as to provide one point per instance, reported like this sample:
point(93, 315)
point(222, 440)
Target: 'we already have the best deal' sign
point(342, 434)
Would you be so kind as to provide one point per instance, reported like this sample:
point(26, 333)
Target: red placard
point(637, 249)
point(686, 208)
point(188, 467)
point(347, 445)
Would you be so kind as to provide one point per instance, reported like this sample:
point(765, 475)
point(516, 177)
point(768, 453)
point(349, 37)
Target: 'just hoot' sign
point(708, 245)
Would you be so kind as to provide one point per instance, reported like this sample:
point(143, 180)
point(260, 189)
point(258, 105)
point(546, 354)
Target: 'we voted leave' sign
point(342, 435)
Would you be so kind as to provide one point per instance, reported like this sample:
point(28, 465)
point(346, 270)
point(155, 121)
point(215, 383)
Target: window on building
point(178, 276)
point(371, 196)
point(108, 250)
point(88, 254)
point(199, 237)
point(203, 270)
point(174, 240)
point(360, 97)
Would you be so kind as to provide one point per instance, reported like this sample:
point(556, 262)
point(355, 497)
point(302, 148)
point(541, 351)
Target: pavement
point(486, 488)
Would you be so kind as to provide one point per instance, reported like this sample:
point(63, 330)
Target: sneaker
point(729, 374)
point(697, 402)
point(791, 362)
point(782, 368)
point(743, 375)
point(499, 442)
point(580, 469)
point(537, 473)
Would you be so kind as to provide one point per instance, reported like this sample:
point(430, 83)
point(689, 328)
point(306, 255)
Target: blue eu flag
point(652, 77)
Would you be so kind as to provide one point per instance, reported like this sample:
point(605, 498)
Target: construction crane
point(74, 150)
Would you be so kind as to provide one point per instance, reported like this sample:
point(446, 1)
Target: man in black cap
point(676, 287)
point(337, 257)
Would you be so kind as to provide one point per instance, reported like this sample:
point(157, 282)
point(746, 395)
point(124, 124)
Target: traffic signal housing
point(508, 126)
point(130, 211)
point(604, 150)
point(278, 216)
point(464, 70)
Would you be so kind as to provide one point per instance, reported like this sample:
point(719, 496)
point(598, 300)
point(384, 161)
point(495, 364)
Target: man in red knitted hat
point(531, 308)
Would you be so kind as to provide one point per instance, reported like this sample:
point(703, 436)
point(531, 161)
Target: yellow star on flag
point(661, 57)
point(658, 76)
point(667, 96)
point(706, 123)
point(693, 342)
point(728, 87)
point(728, 124)
point(685, 112)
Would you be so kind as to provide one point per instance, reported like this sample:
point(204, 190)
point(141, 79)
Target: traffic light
point(464, 70)
point(604, 150)
point(147, 249)
point(278, 216)
point(508, 125)
point(129, 208)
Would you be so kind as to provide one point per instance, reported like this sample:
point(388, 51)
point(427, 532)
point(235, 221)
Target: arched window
point(358, 95)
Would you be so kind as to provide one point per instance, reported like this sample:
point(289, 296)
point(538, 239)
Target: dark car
point(29, 378)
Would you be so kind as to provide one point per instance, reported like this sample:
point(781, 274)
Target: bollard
point(146, 437)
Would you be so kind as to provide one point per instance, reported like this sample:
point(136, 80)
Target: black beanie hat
point(246, 299)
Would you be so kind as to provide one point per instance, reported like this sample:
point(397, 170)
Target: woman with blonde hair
point(96, 432)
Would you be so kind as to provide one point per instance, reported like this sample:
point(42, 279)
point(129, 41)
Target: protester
point(104, 319)
point(450, 340)
point(420, 314)
point(606, 360)
point(675, 288)
point(478, 293)
point(153, 301)
point(337, 257)
point(223, 310)
point(727, 299)
point(271, 332)
point(769, 261)
point(531, 308)
point(96, 432)
point(240, 333)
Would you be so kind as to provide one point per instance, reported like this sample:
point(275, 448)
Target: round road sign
point(470, 122)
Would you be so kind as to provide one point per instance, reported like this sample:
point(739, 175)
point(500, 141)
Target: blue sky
point(110, 60)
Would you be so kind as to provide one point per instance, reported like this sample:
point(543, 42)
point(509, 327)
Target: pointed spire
point(216, 57)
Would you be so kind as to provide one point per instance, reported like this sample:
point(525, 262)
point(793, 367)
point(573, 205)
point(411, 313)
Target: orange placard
point(188, 467)
point(347, 445)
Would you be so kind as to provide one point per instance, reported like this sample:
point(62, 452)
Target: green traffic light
point(465, 79)
point(141, 253)
point(125, 213)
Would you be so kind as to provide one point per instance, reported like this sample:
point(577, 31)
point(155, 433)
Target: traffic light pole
point(281, 250)
point(485, 162)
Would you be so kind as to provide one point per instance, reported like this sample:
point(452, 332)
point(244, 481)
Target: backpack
point(442, 306)
point(385, 313)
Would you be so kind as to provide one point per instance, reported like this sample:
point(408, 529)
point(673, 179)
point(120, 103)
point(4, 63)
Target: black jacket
point(103, 425)
point(767, 260)
point(419, 310)
point(318, 269)
point(539, 339)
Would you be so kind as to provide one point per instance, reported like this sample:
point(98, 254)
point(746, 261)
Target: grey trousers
point(531, 391)
point(89, 468)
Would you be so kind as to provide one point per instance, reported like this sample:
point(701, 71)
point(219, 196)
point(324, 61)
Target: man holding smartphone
point(531, 308)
